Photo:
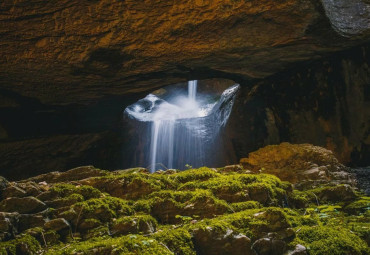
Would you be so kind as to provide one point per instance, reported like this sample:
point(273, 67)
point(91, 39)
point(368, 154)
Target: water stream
point(183, 128)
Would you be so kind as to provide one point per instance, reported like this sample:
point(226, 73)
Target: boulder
point(22, 205)
point(57, 224)
point(27, 221)
point(13, 191)
point(336, 193)
point(74, 174)
point(212, 241)
point(298, 250)
point(297, 163)
point(133, 225)
point(8, 225)
point(267, 246)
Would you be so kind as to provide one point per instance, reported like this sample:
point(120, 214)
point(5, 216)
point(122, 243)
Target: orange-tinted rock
point(296, 163)
point(74, 50)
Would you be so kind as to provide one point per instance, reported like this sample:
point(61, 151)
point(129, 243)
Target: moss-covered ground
point(134, 212)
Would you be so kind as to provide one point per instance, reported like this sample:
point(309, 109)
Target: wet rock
point(215, 241)
point(267, 246)
point(22, 205)
point(298, 250)
point(57, 224)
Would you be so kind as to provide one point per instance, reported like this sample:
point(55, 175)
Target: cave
point(198, 127)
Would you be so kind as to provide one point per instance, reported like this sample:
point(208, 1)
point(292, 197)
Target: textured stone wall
point(325, 103)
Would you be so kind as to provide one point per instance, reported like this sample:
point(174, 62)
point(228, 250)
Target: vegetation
point(171, 212)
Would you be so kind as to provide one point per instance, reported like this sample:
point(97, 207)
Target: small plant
point(188, 166)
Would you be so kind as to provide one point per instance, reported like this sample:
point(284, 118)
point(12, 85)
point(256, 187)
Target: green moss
point(255, 222)
point(236, 187)
point(360, 206)
point(103, 209)
point(131, 244)
point(177, 240)
point(300, 199)
point(64, 190)
point(137, 224)
point(331, 240)
point(200, 174)
point(20, 245)
point(50, 237)
point(143, 205)
point(241, 206)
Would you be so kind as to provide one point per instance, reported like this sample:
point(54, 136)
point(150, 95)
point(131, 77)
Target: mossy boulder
point(138, 224)
point(130, 244)
point(209, 240)
point(297, 163)
point(360, 206)
point(196, 211)
point(25, 244)
point(331, 240)
point(201, 203)
point(22, 205)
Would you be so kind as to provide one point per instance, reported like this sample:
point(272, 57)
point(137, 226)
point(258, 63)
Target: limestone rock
point(133, 225)
point(27, 221)
point(298, 250)
point(13, 191)
point(276, 220)
point(267, 246)
point(57, 224)
point(337, 193)
point(251, 38)
point(8, 225)
point(22, 205)
point(357, 10)
point(74, 174)
point(211, 241)
point(297, 163)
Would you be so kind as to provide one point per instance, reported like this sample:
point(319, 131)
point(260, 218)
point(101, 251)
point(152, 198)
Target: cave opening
point(179, 126)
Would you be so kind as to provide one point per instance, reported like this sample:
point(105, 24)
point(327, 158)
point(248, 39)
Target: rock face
point(76, 51)
point(297, 163)
point(325, 103)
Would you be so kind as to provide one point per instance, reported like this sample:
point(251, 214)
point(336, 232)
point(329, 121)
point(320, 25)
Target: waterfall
point(183, 129)
point(192, 90)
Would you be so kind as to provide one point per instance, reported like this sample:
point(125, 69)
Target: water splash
point(183, 128)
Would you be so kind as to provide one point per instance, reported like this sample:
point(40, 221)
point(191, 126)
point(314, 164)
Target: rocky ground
point(283, 199)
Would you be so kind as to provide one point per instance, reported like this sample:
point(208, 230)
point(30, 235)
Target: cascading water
point(183, 129)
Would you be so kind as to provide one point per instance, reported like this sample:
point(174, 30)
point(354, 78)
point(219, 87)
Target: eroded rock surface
point(297, 163)
point(77, 51)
